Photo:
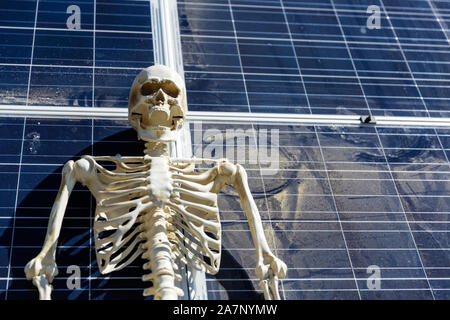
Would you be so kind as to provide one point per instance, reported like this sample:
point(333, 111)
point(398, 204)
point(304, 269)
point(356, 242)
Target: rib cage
point(123, 199)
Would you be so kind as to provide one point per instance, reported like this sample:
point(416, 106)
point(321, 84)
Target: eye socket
point(170, 88)
point(149, 88)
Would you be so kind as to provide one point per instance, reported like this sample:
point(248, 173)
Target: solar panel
point(72, 67)
point(43, 63)
point(348, 198)
point(343, 199)
point(316, 57)
point(344, 203)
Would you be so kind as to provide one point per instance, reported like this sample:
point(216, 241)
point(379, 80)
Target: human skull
point(157, 103)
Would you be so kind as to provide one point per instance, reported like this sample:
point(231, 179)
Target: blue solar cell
point(17, 13)
point(260, 22)
point(60, 86)
point(13, 84)
point(125, 50)
point(267, 57)
point(72, 48)
point(112, 86)
point(205, 20)
point(346, 197)
point(123, 16)
point(121, 37)
point(211, 92)
point(15, 46)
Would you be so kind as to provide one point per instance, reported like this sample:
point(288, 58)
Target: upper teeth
point(159, 108)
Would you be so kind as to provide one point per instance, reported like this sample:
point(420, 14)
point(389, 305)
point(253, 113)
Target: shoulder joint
point(83, 169)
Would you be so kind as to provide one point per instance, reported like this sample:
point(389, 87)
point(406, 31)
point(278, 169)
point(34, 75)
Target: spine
point(157, 249)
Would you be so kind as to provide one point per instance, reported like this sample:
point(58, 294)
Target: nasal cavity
point(160, 96)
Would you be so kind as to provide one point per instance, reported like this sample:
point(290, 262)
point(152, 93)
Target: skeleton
point(156, 207)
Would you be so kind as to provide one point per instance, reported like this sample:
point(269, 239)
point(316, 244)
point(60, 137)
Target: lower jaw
point(156, 133)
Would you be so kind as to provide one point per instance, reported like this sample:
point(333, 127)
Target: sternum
point(160, 181)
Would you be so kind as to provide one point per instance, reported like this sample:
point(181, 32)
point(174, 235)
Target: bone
point(198, 196)
point(211, 211)
point(126, 193)
point(110, 176)
point(118, 264)
point(193, 257)
point(213, 226)
point(156, 207)
point(201, 242)
point(126, 164)
point(43, 286)
point(202, 178)
point(193, 186)
point(124, 184)
point(124, 204)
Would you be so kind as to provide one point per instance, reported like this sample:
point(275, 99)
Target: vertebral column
point(160, 256)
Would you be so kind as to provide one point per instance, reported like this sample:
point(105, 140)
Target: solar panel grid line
point(408, 12)
point(275, 220)
point(439, 20)
point(306, 170)
point(335, 207)
point(91, 214)
point(239, 54)
point(351, 57)
point(315, 24)
point(91, 205)
point(406, 219)
point(281, 284)
point(362, 89)
point(324, 46)
point(349, 231)
point(337, 279)
point(404, 57)
point(363, 10)
point(80, 30)
point(315, 41)
point(32, 54)
point(287, 220)
point(356, 268)
point(445, 34)
point(255, 279)
point(93, 66)
point(324, 179)
point(21, 154)
point(287, 250)
point(15, 209)
point(412, 75)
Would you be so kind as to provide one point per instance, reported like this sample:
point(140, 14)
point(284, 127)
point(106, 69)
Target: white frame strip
point(167, 51)
point(219, 117)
